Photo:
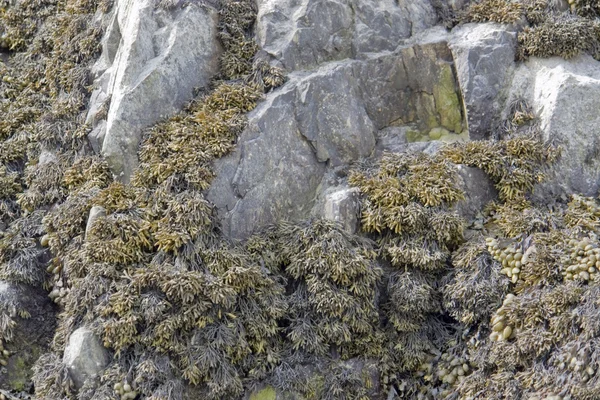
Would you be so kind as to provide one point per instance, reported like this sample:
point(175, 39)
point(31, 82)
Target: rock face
point(152, 60)
point(342, 205)
point(305, 33)
point(328, 118)
point(84, 356)
point(479, 190)
point(565, 96)
point(95, 213)
point(484, 56)
point(31, 336)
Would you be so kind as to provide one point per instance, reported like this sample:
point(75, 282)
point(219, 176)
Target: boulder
point(33, 318)
point(302, 34)
point(479, 191)
point(566, 99)
point(84, 356)
point(151, 62)
point(342, 205)
point(325, 119)
point(484, 57)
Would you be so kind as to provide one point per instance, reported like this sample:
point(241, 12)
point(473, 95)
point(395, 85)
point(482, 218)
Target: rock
point(484, 57)
point(393, 139)
point(566, 98)
point(95, 213)
point(152, 60)
point(97, 135)
point(479, 191)
point(323, 119)
point(342, 205)
point(338, 127)
point(84, 356)
point(31, 335)
point(305, 33)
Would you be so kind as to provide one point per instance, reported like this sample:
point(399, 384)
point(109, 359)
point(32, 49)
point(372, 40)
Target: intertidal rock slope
point(299, 199)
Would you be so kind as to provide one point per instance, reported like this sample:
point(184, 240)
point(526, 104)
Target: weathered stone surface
point(95, 213)
point(152, 61)
point(325, 119)
point(484, 56)
point(342, 205)
point(478, 188)
point(84, 356)
point(30, 336)
point(304, 33)
point(566, 98)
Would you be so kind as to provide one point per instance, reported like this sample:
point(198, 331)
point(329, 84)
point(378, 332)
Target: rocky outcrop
point(152, 60)
point(327, 118)
point(565, 95)
point(30, 317)
point(484, 56)
point(302, 34)
point(84, 356)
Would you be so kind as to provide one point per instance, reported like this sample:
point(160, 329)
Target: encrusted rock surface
point(152, 60)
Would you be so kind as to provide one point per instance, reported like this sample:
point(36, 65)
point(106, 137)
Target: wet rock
point(84, 356)
point(151, 62)
point(484, 56)
point(33, 319)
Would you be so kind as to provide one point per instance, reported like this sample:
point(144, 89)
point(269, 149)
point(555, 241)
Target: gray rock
point(484, 56)
point(479, 191)
point(305, 33)
point(151, 62)
point(325, 119)
point(84, 356)
point(342, 205)
point(337, 126)
point(30, 336)
point(97, 135)
point(95, 213)
point(566, 98)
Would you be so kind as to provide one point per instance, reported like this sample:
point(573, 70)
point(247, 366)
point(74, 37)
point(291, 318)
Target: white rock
point(152, 61)
point(84, 356)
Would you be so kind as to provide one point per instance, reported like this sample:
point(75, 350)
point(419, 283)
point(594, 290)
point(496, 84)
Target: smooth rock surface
point(151, 62)
point(84, 356)
point(484, 56)
point(324, 119)
point(302, 34)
